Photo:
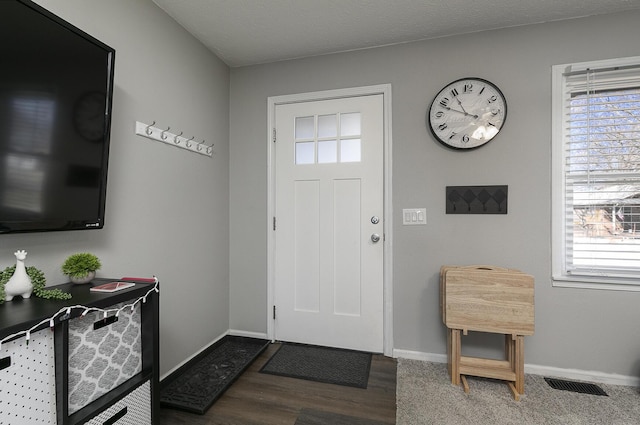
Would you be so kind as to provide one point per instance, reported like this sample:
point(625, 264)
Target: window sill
point(608, 284)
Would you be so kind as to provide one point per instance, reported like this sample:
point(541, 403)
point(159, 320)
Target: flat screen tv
point(56, 86)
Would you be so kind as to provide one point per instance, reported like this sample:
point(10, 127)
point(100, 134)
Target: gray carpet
point(425, 395)
point(321, 364)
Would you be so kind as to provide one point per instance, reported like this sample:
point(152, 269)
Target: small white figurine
point(20, 282)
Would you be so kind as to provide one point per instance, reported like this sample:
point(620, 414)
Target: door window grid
point(328, 139)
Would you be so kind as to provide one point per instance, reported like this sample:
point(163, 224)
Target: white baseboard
point(188, 359)
point(418, 355)
point(550, 371)
point(259, 335)
point(233, 332)
point(555, 372)
point(583, 375)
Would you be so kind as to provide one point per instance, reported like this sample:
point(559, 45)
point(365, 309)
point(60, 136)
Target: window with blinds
point(596, 172)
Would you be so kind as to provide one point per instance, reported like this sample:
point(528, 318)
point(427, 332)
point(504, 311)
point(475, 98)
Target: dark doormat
point(198, 384)
point(318, 417)
point(322, 364)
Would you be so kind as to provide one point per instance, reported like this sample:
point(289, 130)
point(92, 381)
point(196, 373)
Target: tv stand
point(92, 359)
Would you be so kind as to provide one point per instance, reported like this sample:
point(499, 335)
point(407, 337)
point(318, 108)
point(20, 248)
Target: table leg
point(449, 358)
point(519, 363)
point(455, 348)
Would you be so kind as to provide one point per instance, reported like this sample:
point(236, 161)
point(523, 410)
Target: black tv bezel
point(35, 226)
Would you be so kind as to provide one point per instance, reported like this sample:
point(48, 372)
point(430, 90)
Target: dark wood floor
point(258, 398)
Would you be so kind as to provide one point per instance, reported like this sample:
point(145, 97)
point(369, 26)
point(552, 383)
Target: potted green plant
point(81, 267)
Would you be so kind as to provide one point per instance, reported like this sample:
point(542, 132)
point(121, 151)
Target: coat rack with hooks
point(164, 135)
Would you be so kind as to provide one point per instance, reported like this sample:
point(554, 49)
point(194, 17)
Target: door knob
point(375, 238)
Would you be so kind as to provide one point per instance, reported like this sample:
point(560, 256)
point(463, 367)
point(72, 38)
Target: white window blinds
point(601, 172)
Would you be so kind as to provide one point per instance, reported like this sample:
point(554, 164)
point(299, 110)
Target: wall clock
point(89, 116)
point(467, 113)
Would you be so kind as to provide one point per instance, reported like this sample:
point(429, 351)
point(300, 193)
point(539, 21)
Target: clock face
point(467, 113)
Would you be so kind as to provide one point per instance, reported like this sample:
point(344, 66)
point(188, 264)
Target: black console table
point(92, 359)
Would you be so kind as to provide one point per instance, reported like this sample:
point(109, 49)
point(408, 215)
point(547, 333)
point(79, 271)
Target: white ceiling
point(247, 32)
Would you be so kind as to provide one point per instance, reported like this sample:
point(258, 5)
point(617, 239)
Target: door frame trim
point(272, 102)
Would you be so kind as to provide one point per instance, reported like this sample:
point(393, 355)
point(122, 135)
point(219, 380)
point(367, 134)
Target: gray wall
point(579, 329)
point(167, 208)
point(169, 212)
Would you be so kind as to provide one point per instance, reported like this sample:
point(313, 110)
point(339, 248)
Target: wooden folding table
point(487, 299)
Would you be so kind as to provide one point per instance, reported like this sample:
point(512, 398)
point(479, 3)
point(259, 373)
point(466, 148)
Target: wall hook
point(174, 139)
point(148, 130)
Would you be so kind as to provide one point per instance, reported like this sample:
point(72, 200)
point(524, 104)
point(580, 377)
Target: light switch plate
point(414, 216)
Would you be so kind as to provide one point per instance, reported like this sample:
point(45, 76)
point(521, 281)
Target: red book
point(140, 279)
point(111, 286)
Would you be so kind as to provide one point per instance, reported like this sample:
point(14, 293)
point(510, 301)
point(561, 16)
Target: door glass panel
point(350, 150)
point(304, 128)
point(350, 124)
point(327, 151)
point(310, 132)
point(327, 125)
point(305, 152)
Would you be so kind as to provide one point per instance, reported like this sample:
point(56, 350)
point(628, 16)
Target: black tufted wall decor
point(476, 199)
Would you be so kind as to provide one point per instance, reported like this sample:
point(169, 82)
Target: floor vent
point(576, 387)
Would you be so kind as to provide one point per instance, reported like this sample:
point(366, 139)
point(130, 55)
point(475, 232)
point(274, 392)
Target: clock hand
point(455, 110)
point(460, 112)
point(460, 103)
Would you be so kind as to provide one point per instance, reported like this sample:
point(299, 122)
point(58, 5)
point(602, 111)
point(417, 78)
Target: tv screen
point(56, 85)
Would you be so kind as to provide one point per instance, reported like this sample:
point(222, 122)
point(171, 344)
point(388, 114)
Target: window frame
point(560, 276)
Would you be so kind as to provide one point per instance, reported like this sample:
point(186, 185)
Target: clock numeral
point(492, 99)
point(495, 112)
point(465, 138)
point(454, 92)
point(491, 124)
point(439, 114)
point(442, 126)
point(444, 102)
point(453, 133)
point(468, 88)
point(481, 91)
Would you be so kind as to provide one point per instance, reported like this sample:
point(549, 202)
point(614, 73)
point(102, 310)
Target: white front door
point(329, 207)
